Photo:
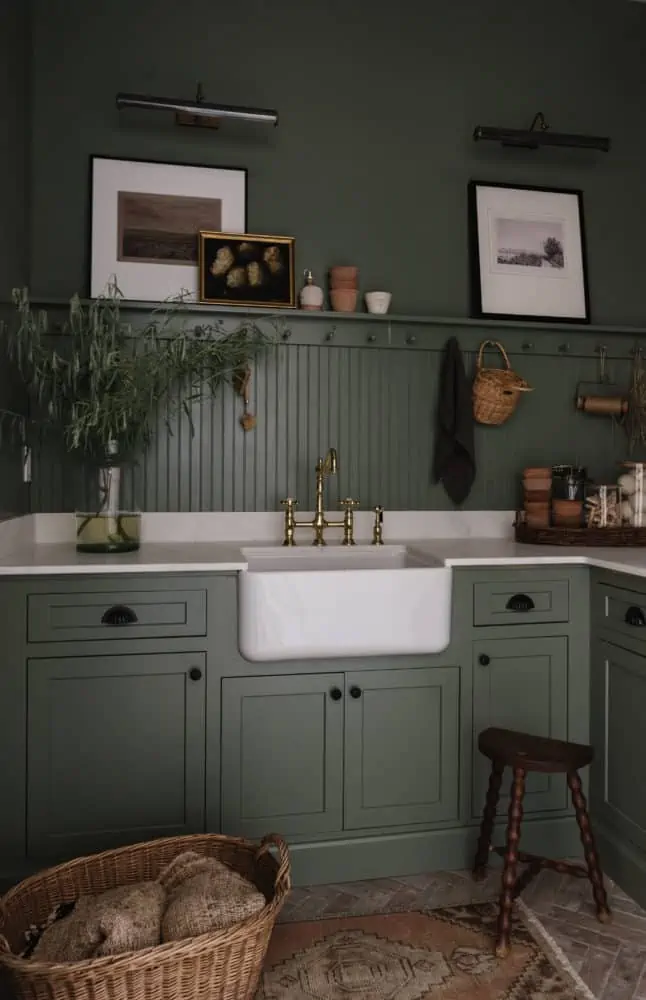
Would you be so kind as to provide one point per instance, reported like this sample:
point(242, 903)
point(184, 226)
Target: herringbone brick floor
point(611, 958)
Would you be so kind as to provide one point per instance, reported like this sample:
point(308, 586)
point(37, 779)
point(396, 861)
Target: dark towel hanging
point(454, 463)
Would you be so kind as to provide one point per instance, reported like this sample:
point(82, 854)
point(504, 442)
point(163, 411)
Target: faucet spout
point(328, 466)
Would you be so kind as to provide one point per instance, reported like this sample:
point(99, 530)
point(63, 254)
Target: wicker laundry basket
point(224, 965)
point(496, 391)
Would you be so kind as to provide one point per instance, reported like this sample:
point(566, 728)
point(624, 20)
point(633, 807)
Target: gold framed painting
point(247, 270)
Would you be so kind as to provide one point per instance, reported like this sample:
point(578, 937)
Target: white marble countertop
point(212, 543)
point(46, 558)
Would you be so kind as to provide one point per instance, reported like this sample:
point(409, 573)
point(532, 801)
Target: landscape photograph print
point(530, 243)
point(527, 253)
point(163, 228)
point(146, 216)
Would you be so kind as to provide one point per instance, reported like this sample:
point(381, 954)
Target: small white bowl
point(378, 302)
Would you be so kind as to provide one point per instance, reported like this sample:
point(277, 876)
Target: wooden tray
point(623, 536)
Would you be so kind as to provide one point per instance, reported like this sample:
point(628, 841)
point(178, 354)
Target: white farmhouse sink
point(309, 603)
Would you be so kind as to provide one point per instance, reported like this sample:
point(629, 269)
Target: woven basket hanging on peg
point(496, 391)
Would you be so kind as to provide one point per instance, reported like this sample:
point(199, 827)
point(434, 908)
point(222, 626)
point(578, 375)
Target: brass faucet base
point(319, 523)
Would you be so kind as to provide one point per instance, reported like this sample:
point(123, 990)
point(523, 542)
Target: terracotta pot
point(537, 496)
point(344, 299)
point(538, 520)
point(344, 273)
point(343, 283)
point(567, 508)
point(537, 508)
point(537, 473)
point(530, 485)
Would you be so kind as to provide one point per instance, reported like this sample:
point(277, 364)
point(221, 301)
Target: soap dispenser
point(311, 296)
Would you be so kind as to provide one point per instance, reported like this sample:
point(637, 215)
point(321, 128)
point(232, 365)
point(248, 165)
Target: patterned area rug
point(445, 953)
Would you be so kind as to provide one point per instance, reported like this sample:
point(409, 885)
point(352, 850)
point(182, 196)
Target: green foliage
point(99, 380)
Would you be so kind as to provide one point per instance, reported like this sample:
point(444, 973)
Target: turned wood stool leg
point(589, 848)
point(511, 863)
point(488, 816)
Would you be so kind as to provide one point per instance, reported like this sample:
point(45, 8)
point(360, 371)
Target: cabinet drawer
point(118, 614)
point(622, 612)
point(508, 603)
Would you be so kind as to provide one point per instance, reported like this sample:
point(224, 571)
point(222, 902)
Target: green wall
point(370, 165)
point(371, 391)
point(373, 152)
point(14, 212)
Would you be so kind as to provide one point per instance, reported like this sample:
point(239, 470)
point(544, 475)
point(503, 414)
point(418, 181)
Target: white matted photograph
point(146, 220)
point(527, 253)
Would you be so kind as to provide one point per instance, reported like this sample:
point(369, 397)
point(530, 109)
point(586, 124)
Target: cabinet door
point(401, 746)
point(618, 717)
point(115, 750)
point(521, 684)
point(282, 754)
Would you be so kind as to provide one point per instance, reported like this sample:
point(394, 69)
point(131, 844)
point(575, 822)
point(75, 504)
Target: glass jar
point(568, 482)
point(602, 506)
point(633, 488)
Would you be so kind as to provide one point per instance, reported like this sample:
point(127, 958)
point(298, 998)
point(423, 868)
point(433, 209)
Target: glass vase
point(109, 528)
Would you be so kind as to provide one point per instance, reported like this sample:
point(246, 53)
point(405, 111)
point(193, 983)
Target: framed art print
point(146, 217)
point(528, 257)
point(247, 270)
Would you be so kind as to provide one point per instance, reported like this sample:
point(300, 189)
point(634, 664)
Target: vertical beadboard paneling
point(376, 404)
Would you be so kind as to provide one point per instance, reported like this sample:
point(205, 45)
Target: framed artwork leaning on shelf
point(528, 254)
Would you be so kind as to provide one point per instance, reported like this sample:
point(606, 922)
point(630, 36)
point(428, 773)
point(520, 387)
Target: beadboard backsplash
point(370, 390)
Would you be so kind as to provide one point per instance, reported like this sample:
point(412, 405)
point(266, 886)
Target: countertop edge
point(60, 559)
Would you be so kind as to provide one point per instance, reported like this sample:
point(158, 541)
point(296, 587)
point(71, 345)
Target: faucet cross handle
point(348, 519)
point(290, 521)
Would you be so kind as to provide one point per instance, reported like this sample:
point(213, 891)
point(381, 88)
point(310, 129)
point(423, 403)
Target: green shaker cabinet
point(521, 684)
point(618, 719)
point(320, 753)
point(282, 754)
point(115, 750)
point(118, 732)
point(402, 734)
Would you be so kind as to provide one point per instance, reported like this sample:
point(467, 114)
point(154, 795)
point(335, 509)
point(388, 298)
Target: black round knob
point(484, 660)
point(336, 694)
point(355, 692)
point(195, 673)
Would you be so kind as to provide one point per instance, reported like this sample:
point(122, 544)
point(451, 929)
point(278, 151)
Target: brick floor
point(611, 958)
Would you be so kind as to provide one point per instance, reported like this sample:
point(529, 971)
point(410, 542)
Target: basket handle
point(283, 877)
point(4, 944)
point(492, 343)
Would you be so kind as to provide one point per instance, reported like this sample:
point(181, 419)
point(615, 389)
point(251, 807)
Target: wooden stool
point(523, 753)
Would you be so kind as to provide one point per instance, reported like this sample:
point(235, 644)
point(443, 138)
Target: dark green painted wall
point(369, 164)
point(373, 152)
point(14, 212)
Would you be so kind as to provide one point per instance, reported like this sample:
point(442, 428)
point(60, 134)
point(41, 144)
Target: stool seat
point(533, 753)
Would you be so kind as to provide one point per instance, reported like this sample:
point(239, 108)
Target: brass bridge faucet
point(324, 467)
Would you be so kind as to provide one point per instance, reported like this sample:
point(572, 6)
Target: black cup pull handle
point(336, 694)
point(635, 616)
point(195, 673)
point(119, 614)
point(355, 692)
point(520, 602)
